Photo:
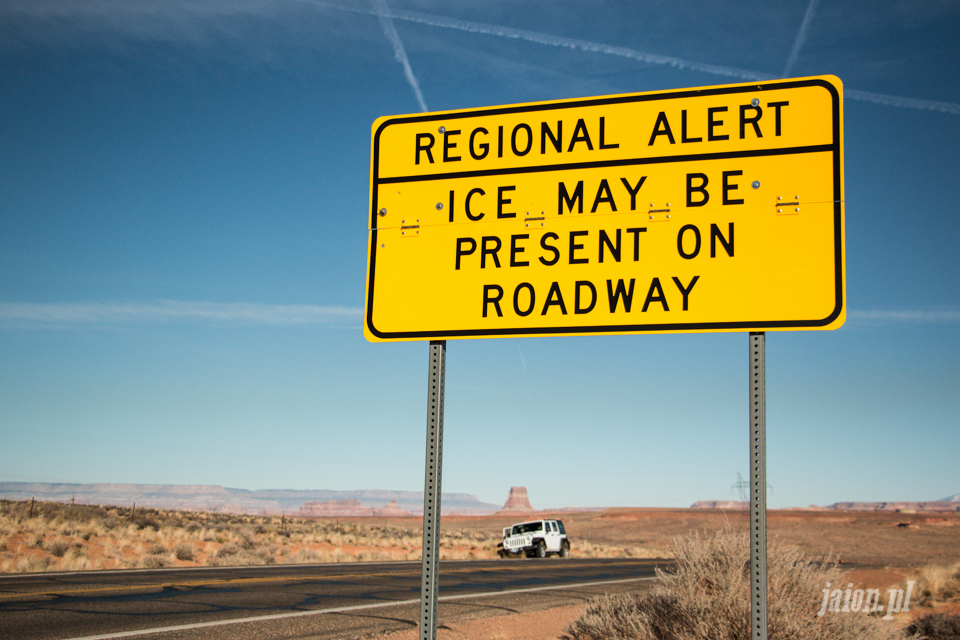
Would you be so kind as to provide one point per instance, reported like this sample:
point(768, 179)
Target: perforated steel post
point(758, 487)
point(430, 575)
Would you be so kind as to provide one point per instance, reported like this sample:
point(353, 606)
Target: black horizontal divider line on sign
point(609, 100)
point(602, 164)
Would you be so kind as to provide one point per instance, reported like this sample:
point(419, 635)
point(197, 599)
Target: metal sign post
point(430, 574)
point(758, 487)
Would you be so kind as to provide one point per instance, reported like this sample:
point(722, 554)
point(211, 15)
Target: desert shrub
point(707, 597)
point(184, 551)
point(305, 556)
point(33, 564)
point(144, 523)
point(246, 541)
point(227, 550)
point(76, 560)
point(935, 626)
point(153, 562)
point(57, 547)
point(157, 549)
point(939, 583)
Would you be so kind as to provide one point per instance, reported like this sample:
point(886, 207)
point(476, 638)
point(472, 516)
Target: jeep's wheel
point(565, 550)
point(541, 550)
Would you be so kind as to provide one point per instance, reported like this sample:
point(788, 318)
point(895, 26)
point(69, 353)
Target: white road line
point(300, 614)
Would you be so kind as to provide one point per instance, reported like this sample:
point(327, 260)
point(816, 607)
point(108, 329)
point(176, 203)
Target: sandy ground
point(548, 624)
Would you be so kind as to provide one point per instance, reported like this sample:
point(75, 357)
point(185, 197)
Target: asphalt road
point(294, 601)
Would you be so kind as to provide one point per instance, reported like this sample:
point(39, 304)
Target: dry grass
point(61, 537)
point(935, 626)
point(935, 600)
point(938, 583)
point(707, 597)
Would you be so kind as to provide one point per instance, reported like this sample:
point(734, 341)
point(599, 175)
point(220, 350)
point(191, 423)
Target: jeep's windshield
point(527, 527)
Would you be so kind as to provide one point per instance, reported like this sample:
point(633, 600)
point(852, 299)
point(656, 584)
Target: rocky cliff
point(350, 508)
point(335, 508)
point(934, 506)
point(217, 498)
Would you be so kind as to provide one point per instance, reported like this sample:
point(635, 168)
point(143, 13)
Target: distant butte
point(517, 502)
point(392, 509)
point(720, 504)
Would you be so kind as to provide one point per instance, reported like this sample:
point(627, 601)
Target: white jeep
point(536, 538)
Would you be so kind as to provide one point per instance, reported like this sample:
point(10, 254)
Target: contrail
point(557, 41)
point(167, 22)
point(386, 21)
point(801, 36)
point(633, 54)
point(522, 361)
point(57, 314)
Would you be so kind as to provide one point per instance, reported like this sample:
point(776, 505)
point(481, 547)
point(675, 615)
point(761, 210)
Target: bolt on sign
point(711, 209)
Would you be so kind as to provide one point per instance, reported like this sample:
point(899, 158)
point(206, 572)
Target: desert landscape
point(867, 545)
point(43, 536)
point(883, 548)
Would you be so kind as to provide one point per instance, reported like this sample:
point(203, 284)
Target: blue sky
point(183, 248)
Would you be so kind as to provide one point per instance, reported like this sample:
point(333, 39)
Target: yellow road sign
point(712, 209)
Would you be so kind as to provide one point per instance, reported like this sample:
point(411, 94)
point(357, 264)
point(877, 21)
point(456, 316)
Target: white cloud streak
point(389, 30)
point(801, 38)
point(904, 316)
point(59, 315)
point(522, 360)
point(558, 41)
